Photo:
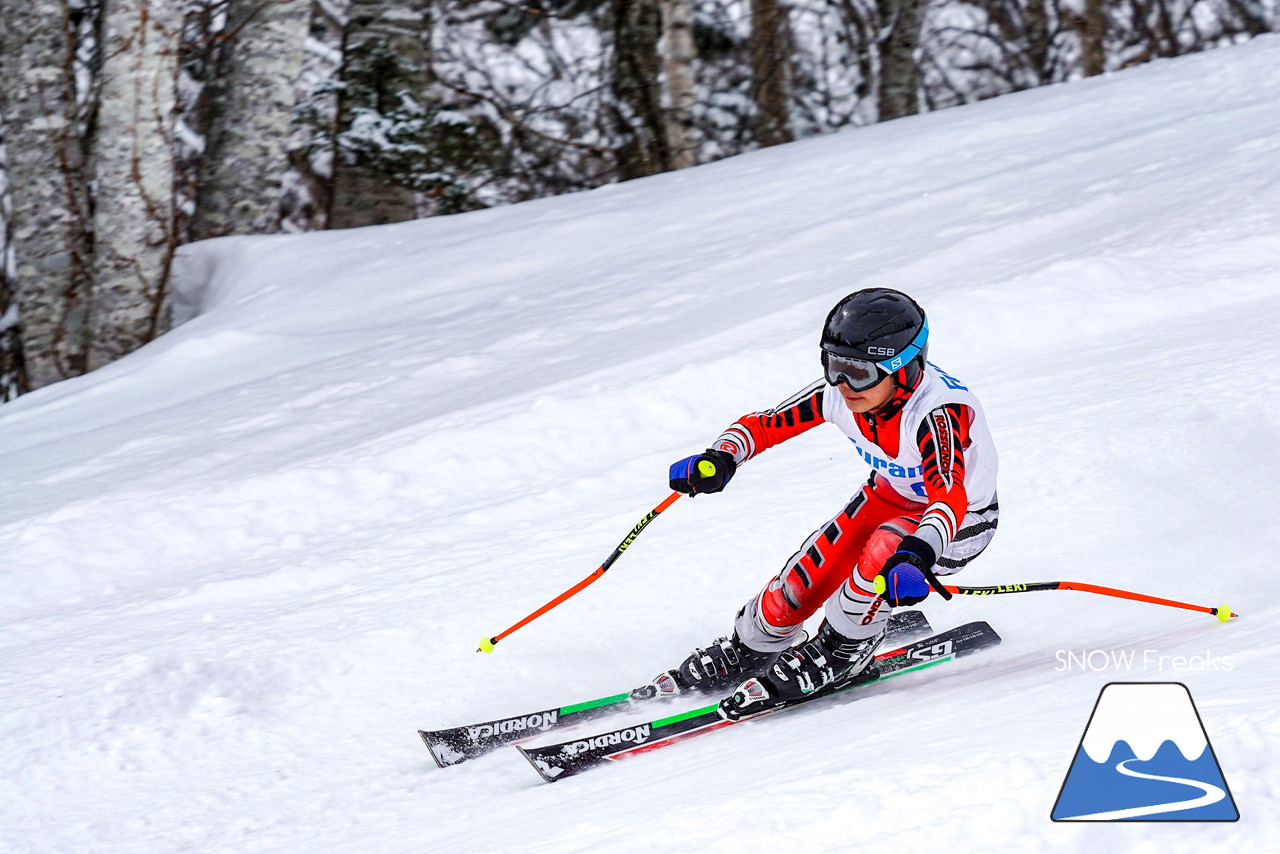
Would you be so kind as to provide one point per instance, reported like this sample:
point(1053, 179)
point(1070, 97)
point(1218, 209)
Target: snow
point(243, 566)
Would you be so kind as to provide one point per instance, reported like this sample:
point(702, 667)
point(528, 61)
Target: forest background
point(129, 128)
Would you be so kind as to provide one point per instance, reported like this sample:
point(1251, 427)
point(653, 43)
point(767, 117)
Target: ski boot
point(828, 662)
point(715, 669)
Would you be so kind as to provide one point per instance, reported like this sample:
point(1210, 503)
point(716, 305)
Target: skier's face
point(871, 399)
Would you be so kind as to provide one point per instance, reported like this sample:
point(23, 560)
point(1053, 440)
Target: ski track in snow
point(243, 565)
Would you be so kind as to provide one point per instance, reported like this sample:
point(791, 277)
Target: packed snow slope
point(243, 565)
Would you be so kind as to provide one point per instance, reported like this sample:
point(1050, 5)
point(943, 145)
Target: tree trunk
point(1039, 41)
point(644, 148)
point(13, 370)
point(383, 57)
point(251, 100)
point(1165, 30)
point(900, 24)
point(133, 162)
point(1091, 27)
point(771, 71)
point(677, 61)
point(50, 216)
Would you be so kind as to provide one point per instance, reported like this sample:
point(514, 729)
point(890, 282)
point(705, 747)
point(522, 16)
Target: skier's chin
point(857, 403)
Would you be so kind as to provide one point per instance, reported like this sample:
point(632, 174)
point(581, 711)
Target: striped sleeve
point(942, 436)
point(759, 431)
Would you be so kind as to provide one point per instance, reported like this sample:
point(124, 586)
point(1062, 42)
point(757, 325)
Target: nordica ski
point(558, 761)
point(458, 744)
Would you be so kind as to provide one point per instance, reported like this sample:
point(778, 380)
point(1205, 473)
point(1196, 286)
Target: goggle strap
point(910, 352)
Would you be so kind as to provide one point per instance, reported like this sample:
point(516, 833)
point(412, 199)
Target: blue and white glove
point(907, 576)
point(703, 473)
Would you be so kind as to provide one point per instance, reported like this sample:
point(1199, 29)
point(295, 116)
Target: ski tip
point(442, 750)
point(426, 739)
point(545, 771)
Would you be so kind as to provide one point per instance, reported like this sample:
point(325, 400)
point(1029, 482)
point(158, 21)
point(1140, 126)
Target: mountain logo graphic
point(1145, 756)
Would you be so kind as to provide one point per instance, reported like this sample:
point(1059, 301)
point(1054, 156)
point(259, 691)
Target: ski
point(458, 744)
point(558, 761)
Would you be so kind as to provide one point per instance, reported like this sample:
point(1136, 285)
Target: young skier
point(928, 508)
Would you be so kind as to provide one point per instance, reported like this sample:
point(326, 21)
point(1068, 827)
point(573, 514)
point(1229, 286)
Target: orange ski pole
point(1222, 612)
point(487, 644)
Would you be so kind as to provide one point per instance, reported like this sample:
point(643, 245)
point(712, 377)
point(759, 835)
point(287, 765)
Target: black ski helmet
point(872, 333)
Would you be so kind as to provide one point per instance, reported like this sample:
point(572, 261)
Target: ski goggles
point(857, 374)
point(863, 374)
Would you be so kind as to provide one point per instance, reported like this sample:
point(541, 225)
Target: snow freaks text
point(1094, 660)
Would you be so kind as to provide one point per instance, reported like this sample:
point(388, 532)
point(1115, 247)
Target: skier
point(928, 509)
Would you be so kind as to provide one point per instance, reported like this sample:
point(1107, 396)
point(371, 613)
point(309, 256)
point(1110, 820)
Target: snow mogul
point(928, 509)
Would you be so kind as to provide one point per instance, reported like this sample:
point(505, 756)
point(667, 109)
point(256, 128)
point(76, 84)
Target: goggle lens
point(858, 374)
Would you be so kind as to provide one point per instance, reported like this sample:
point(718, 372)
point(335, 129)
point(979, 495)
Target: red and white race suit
point(933, 475)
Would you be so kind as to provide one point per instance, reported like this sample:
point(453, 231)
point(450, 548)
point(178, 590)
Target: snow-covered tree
point(133, 160)
point(48, 215)
point(678, 58)
point(131, 126)
point(772, 52)
point(901, 23)
point(380, 103)
point(250, 97)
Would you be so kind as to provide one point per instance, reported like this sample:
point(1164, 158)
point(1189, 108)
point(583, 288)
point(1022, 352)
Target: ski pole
point(487, 644)
point(1222, 612)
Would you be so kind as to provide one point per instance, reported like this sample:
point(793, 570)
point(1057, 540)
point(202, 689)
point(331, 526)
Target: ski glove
point(908, 575)
point(703, 473)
